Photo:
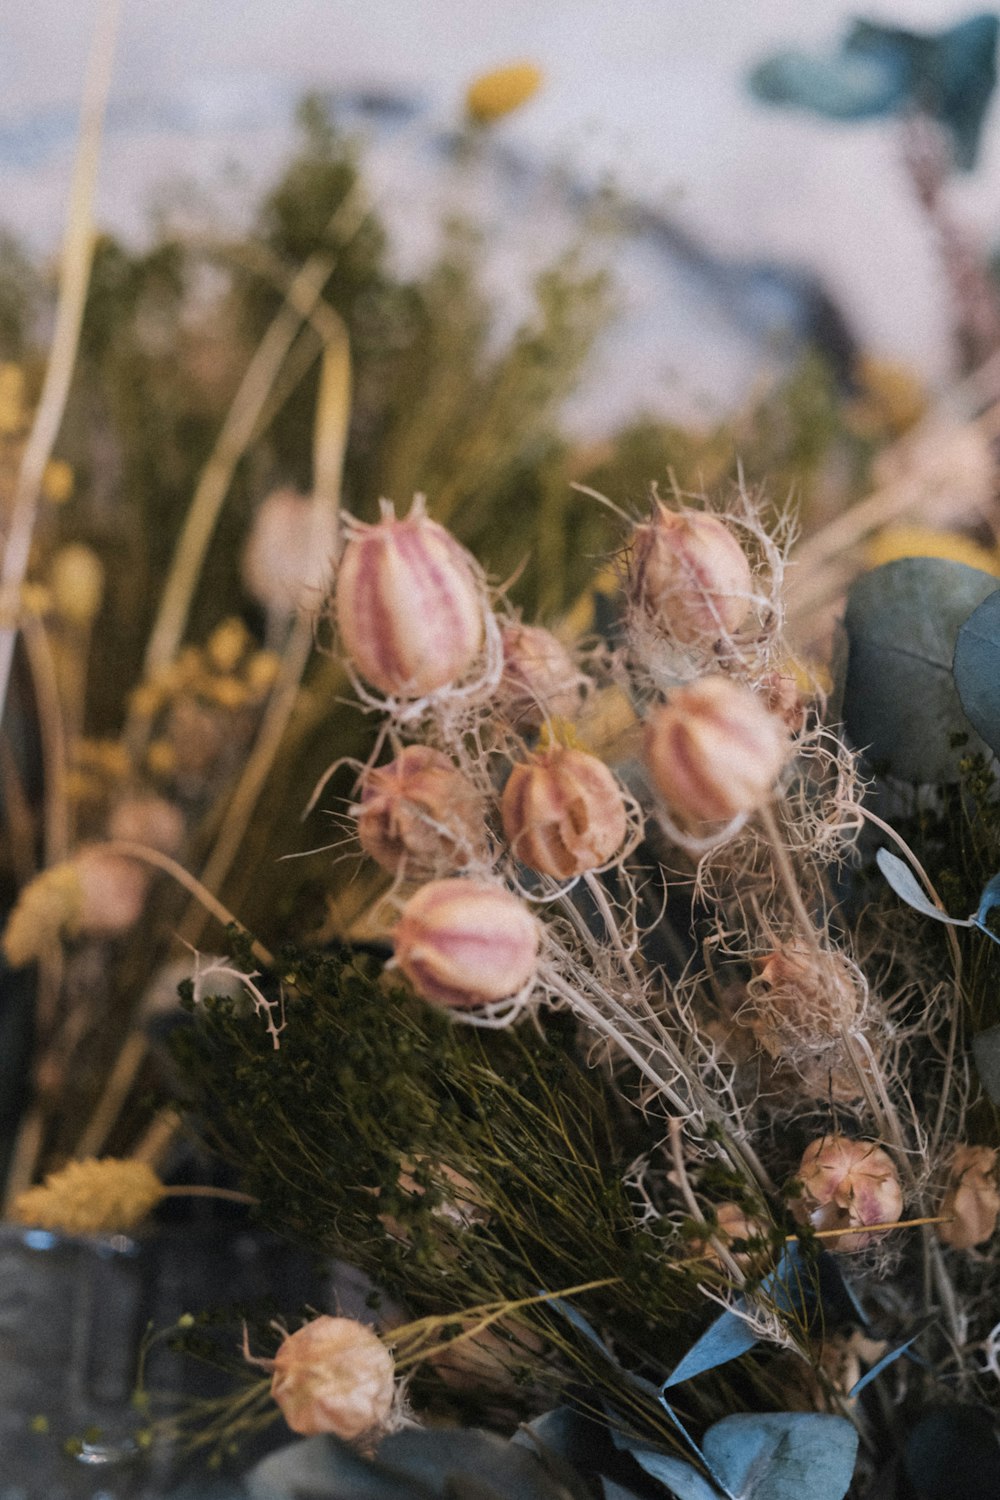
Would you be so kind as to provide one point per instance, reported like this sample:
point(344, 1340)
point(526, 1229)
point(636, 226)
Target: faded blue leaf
point(976, 668)
point(884, 70)
point(889, 1358)
point(679, 1476)
point(903, 881)
point(986, 1051)
point(901, 704)
point(783, 1455)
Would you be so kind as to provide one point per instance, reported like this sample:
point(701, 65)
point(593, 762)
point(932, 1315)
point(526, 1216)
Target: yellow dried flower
point(48, 906)
point(77, 582)
point(161, 758)
point(57, 481)
point(227, 644)
point(923, 541)
point(262, 669)
point(228, 692)
point(499, 92)
point(13, 415)
point(92, 1197)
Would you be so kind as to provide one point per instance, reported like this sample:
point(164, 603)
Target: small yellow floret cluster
point(499, 92)
point(48, 908)
point(92, 1197)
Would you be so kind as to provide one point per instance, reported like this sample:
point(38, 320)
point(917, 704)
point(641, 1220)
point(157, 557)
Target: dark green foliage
point(368, 1079)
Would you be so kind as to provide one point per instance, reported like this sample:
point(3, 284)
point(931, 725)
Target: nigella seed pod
point(408, 605)
point(563, 812)
point(418, 815)
point(798, 993)
point(847, 1184)
point(690, 575)
point(714, 750)
point(539, 681)
point(971, 1201)
point(463, 943)
point(334, 1375)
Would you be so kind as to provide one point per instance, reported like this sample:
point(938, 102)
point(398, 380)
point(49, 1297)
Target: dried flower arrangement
point(642, 1094)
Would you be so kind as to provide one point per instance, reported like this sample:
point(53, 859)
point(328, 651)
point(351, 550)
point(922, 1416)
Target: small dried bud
point(734, 1223)
point(798, 994)
point(419, 815)
point(113, 891)
point(463, 943)
point(77, 582)
point(563, 812)
point(781, 693)
point(288, 554)
point(497, 93)
point(714, 751)
point(148, 820)
point(334, 1375)
point(972, 1198)
point(539, 680)
point(690, 575)
point(845, 1185)
point(408, 605)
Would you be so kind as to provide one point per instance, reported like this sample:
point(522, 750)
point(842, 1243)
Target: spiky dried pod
point(409, 607)
point(801, 995)
point(463, 943)
point(689, 574)
point(714, 750)
point(971, 1198)
point(147, 819)
point(847, 1184)
point(288, 557)
point(563, 812)
point(539, 681)
point(334, 1375)
point(419, 815)
point(113, 891)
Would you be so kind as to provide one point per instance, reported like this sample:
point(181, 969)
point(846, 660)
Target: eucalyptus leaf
point(986, 1051)
point(903, 881)
point(444, 1460)
point(783, 1455)
point(728, 1337)
point(989, 899)
point(953, 1454)
point(676, 1473)
point(889, 1358)
point(901, 705)
point(320, 1468)
point(976, 667)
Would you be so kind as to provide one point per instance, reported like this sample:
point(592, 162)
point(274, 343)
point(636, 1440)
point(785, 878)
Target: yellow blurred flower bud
point(57, 481)
point(77, 582)
point(499, 92)
point(227, 645)
point(92, 1197)
point(13, 415)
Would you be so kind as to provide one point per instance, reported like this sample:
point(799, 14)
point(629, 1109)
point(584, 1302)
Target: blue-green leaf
point(783, 1455)
point(903, 881)
point(676, 1473)
point(986, 1051)
point(900, 701)
point(977, 669)
point(953, 1453)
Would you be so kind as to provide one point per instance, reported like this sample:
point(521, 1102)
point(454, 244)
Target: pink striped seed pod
point(539, 681)
point(714, 750)
point(847, 1184)
point(334, 1375)
point(463, 943)
point(563, 812)
point(418, 815)
point(409, 608)
point(689, 574)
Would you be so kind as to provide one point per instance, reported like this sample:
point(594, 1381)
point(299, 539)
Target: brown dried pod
point(847, 1184)
point(714, 750)
point(563, 812)
point(799, 995)
point(408, 605)
point(419, 815)
point(334, 1375)
point(539, 681)
point(463, 943)
point(971, 1198)
point(689, 574)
